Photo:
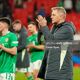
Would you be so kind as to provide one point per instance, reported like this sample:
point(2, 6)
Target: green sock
point(30, 78)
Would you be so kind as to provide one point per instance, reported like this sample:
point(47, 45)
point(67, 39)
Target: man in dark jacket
point(57, 63)
point(23, 56)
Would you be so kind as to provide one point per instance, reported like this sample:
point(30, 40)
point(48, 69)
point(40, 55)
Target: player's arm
point(12, 50)
point(40, 47)
point(13, 45)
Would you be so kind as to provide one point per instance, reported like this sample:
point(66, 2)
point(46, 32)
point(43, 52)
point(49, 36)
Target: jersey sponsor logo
point(7, 39)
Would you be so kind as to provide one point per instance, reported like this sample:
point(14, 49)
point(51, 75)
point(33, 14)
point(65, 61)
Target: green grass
point(76, 75)
point(20, 76)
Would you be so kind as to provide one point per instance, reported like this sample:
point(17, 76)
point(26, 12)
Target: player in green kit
point(8, 50)
point(35, 49)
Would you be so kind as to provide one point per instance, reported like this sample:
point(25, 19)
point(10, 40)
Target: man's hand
point(28, 50)
point(1, 46)
point(41, 21)
point(31, 45)
point(9, 50)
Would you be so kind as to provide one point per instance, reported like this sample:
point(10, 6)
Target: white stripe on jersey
point(15, 42)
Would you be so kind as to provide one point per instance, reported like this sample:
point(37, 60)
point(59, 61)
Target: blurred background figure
point(5, 9)
point(23, 60)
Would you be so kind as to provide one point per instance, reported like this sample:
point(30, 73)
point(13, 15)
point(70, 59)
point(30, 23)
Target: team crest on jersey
point(6, 40)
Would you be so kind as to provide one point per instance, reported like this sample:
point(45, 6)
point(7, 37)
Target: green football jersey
point(36, 54)
point(7, 60)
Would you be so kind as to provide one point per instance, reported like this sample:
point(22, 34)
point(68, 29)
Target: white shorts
point(35, 65)
point(7, 76)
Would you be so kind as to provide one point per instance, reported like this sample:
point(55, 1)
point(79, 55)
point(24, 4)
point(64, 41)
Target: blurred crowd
point(27, 10)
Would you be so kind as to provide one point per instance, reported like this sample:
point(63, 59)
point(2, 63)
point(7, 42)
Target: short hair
point(60, 9)
point(6, 20)
point(16, 22)
point(33, 23)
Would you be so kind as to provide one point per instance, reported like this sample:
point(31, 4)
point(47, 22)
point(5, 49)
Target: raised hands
point(41, 21)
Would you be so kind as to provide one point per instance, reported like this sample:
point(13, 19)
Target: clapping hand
point(41, 21)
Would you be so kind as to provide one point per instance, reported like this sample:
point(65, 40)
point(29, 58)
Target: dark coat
point(23, 56)
point(50, 68)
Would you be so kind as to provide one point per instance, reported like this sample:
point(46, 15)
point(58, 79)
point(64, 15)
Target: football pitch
point(76, 74)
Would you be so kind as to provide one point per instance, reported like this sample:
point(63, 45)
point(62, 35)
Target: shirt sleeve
point(13, 40)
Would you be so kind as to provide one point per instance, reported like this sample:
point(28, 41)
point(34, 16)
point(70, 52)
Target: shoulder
point(24, 30)
point(68, 26)
point(29, 37)
point(12, 35)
